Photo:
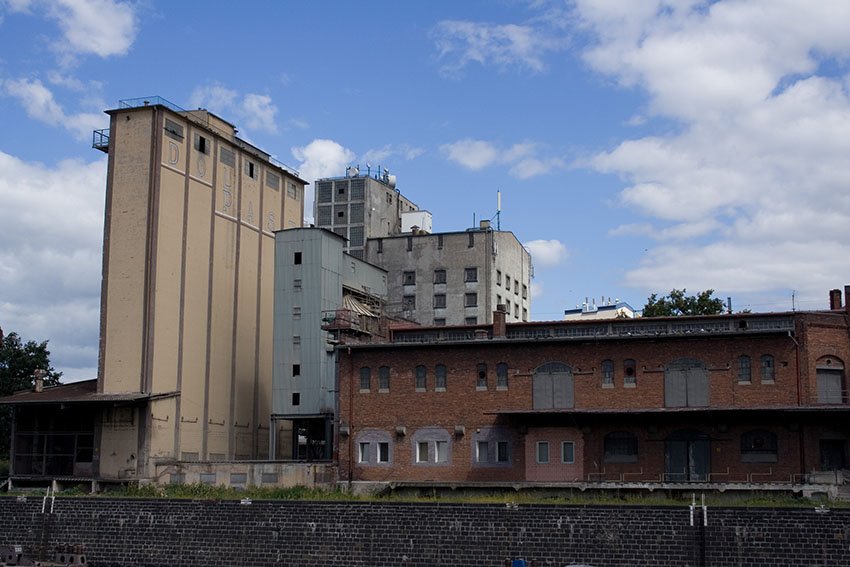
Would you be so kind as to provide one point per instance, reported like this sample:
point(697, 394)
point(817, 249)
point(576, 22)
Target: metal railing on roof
point(158, 100)
point(100, 140)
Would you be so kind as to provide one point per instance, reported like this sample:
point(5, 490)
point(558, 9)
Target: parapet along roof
point(84, 392)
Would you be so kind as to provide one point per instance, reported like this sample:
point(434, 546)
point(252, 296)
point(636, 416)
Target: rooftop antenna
point(498, 210)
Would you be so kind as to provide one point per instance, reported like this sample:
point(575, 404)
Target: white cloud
point(39, 103)
point(50, 257)
point(405, 151)
point(749, 194)
point(478, 154)
point(460, 43)
point(546, 253)
point(318, 159)
point(100, 27)
point(256, 111)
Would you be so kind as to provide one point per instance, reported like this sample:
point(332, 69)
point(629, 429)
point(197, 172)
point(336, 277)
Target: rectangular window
point(744, 369)
point(767, 368)
point(499, 278)
point(470, 275)
point(365, 378)
point(383, 452)
point(408, 302)
point(296, 259)
point(441, 448)
point(482, 449)
point(296, 312)
point(296, 283)
point(502, 452)
point(363, 453)
point(380, 245)
point(524, 314)
point(439, 276)
point(439, 321)
point(440, 301)
point(502, 376)
point(481, 381)
point(508, 283)
point(568, 452)
point(471, 321)
point(439, 242)
point(524, 291)
point(422, 452)
point(227, 157)
point(516, 311)
point(471, 300)
point(201, 144)
point(409, 243)
point(173, 130)
point(384, 378)
point(440, 374)
point(471, 240)
point(296, 370)
point(273, 180)
point(499, 300)
point(249, 169)
point(516, 287)
point(296, 339)
point(292, 191)
point(542, 452)
point(296, 399)
point(408, 278)
point(421, 378)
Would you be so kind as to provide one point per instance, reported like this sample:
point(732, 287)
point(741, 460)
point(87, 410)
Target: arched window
point(421, 378)
point(552, 386)
point(830, 378)
point(768, 372)
point(607, 373)
point(365, 378)
point(384, 378)
point(440, 374)
point(620, 447)
point(629, 372)
point(501, 376)
point(759, 446)
point(481, 381)
point(745, 371)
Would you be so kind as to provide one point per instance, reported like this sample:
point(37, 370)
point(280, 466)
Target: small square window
point(471, 321)
point(471, 300)
point(296, 312)
point(340, 214)
point(296, 283)
point(439, 276)
point(408, 278)
point(439, 321)
point(296, 339)
point(470, 275)
point(440, 301)
point(568, 452)
point(542, 452)
point(201, 144)
point(408, 303)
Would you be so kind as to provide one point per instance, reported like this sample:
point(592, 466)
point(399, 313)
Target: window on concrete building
point(439, 301)
point(296, 283)
point(249, 169)
point(292, 191)
point(439, 242)
point(502, 455)
point(296, 258)
point(409, 243)
point(607, 373)
point(620, 447)
point(384, 378)
point(383, 452)
point(524, 314)
point(363, 452)
point(296, 399)
point(516, 311)
point(542, 452)
point(273, 180)
point(499, 300)
point(568, 452)
point(296, 370)
point(202, 144)
point(471, 321)
point(508, 282)
point(499, 278)
point(440, 375)
point(408, 278)
point(768, 372)
point(365, 379)
point(439, 321)
point(516, 287)
point(471, 240)
point(482, 452)
point(629, 373)
point(759, 446)
point(470, 275)
point(439, 276)
point(421, 378)
point(422, 452)
point(481, 382)
point(471, 300)
point(745, 371)
point(408, 302)
point(296, 339)
point(296, 312)
point(501, 376)
point(524, 291)
point(174, 130)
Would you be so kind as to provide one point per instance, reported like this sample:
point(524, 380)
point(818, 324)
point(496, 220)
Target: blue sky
point(639, 146)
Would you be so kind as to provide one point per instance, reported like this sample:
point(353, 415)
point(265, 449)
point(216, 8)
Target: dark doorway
point(833, 454)
point(553, 386)
point(687, 457)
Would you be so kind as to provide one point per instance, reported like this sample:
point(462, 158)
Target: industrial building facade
point(747, 398)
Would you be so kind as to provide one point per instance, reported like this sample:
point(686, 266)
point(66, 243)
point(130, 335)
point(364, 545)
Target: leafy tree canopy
point(677, 303)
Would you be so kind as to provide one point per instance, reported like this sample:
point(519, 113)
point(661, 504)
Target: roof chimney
point(835, 299)
point(38, 385)
point(499, 324)
point(847, 298)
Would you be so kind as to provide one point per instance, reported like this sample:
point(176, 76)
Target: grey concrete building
point(454, 278)
point(318, 288)
point(358, 207)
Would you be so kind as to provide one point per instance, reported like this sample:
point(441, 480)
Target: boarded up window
point(227, 157)
point(173, 130)
point(324, 191)
point(553, 386)
point(686, 384)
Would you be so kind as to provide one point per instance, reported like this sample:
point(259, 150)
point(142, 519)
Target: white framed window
point(482, 451)
point(363, 452)
point(441, 451)
point(568, 452)
point(502, 455)
point(542, 452)
point(422, 452)
point(383, 452)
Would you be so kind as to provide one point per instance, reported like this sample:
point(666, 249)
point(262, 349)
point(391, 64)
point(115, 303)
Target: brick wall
point(203, 533)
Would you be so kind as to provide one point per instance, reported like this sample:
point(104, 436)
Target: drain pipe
point(801, 440)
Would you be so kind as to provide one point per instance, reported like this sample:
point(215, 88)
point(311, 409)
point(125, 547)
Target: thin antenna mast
point(498, 210)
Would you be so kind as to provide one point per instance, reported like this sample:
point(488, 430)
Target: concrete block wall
point(151, 533)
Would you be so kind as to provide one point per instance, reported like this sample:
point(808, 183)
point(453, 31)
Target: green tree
point(677, 303)
point(18, 363)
